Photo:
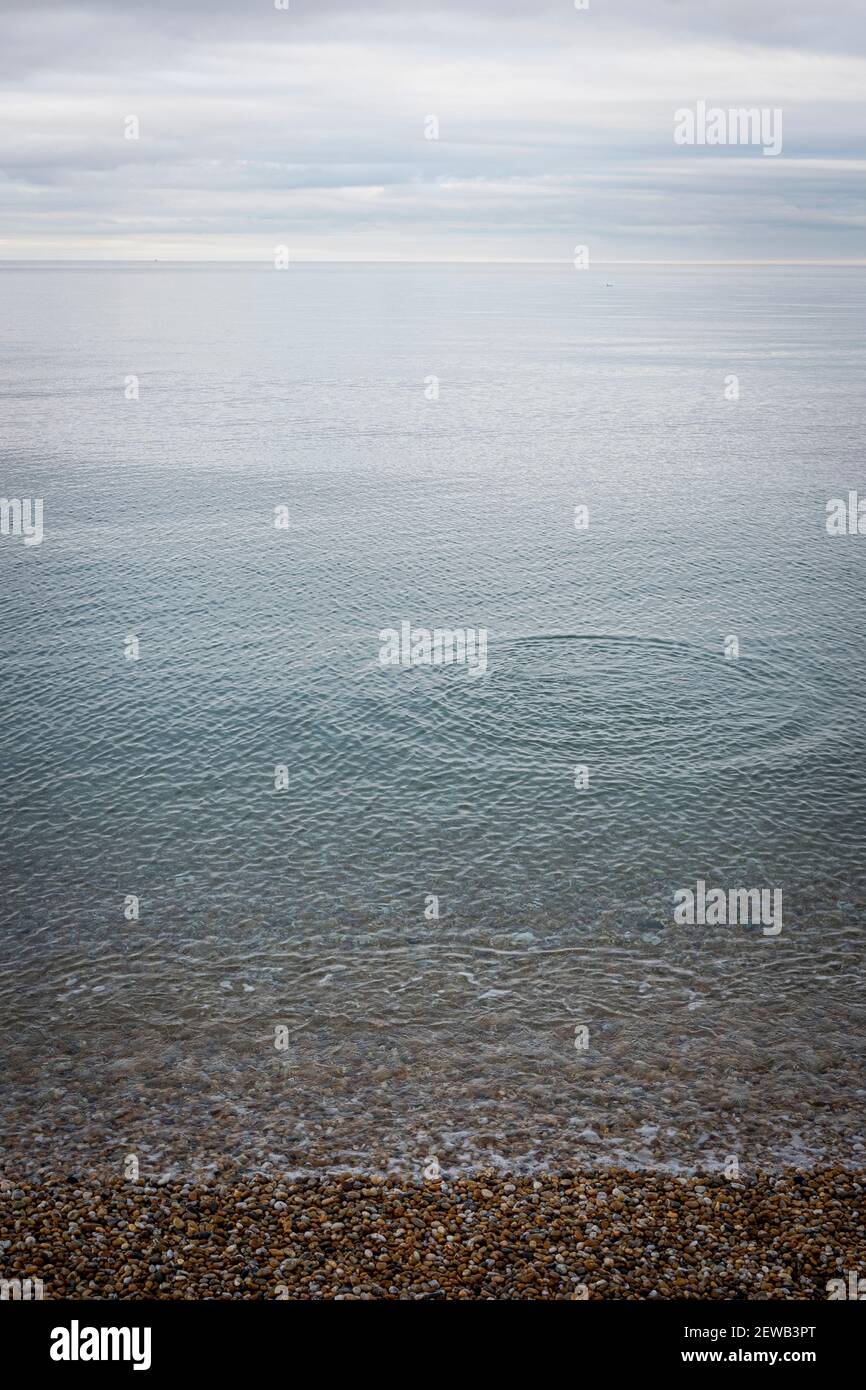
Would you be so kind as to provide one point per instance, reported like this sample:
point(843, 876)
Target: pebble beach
point(604, 1235)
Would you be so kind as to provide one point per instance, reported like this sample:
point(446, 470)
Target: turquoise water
point(258, 648)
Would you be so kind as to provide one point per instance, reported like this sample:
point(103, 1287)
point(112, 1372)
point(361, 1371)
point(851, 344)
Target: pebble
point(344, 1237)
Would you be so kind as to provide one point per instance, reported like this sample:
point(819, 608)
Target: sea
point(269, 901)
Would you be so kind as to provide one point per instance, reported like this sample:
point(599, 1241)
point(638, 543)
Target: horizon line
point(419, 261)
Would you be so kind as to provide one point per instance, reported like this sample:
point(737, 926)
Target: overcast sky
point(306, 128)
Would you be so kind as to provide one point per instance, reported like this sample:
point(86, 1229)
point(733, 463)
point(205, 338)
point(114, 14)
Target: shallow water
point(259, 647)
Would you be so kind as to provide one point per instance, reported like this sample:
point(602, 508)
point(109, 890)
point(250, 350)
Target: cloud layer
point(259, 127)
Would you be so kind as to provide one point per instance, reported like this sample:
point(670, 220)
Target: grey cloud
point(556, 126)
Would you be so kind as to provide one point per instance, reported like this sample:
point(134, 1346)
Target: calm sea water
point(304, 909)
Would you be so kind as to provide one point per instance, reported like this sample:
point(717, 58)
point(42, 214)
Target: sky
point(307, 128)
